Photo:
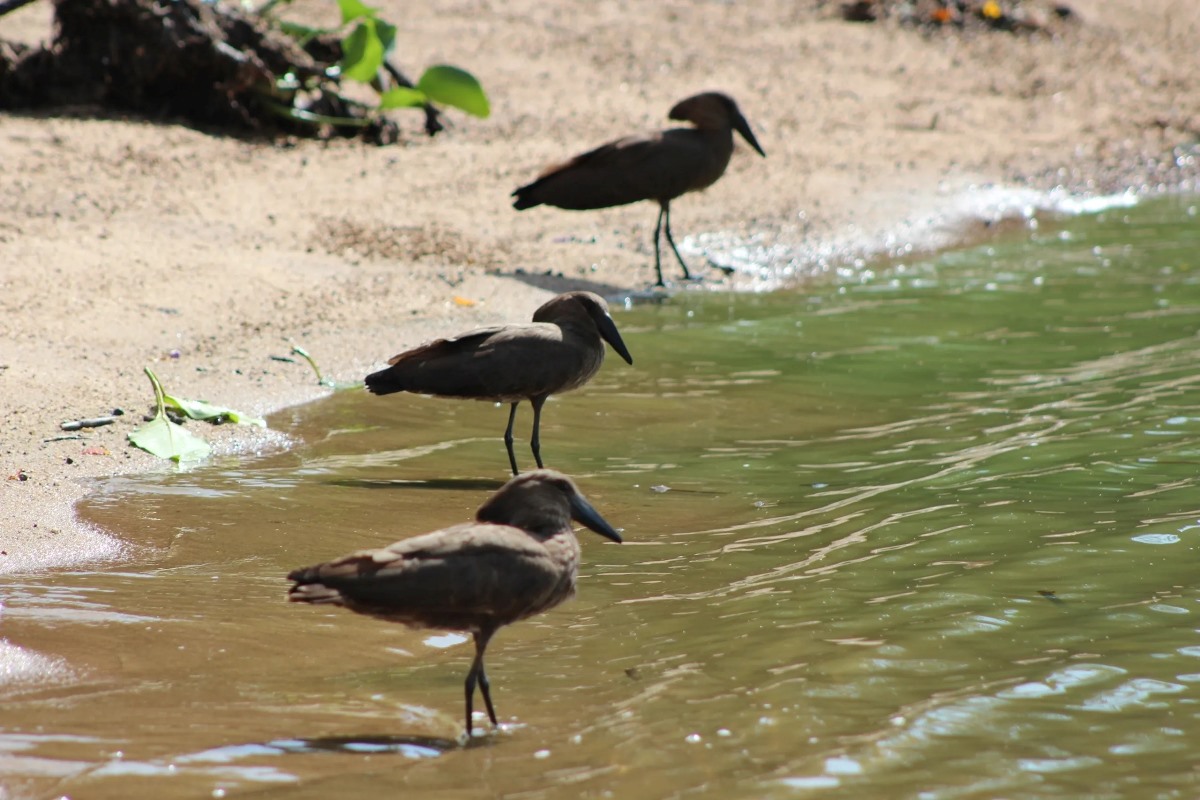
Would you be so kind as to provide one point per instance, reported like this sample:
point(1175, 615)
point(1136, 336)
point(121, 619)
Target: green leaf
point(165, 439)
point(386, 32)
point(312, 362)
point(402, 97)
point(201, 410)
point(362, 52)
point(455, 87)
point(355, 9)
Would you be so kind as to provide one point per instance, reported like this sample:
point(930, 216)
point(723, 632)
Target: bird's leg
point(508, 443)
point(485, 689)
point(472, 676)
point(477, 675)
point(666, 212)
point(657, 234)
point(535, 442)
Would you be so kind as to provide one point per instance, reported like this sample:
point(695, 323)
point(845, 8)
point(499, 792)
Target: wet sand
point(125, 243)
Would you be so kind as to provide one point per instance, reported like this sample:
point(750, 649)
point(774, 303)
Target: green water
point(925, 532)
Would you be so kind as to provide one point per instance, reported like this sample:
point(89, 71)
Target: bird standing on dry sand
point(659, 166)
point(559, 351)
point(519, 558)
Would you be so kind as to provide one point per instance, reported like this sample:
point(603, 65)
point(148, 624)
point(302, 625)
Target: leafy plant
point(163, 438)
point(443, 84)
point(207, 412)
point(365, 46)
point(365, 50)
point(166, 439)
point(337, 386)
point(368, 44)
point(300, 351)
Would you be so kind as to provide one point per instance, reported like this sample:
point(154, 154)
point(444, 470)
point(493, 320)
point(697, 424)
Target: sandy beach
point(126, 243)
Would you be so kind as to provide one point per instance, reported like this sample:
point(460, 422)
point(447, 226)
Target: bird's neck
point(721, 143)
point(578, 329)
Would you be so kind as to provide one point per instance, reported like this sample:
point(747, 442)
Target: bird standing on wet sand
point(559, 351)
point(519, 558)
point(659, 166)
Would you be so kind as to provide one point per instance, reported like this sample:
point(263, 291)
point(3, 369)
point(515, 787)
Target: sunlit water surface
point(931, 533)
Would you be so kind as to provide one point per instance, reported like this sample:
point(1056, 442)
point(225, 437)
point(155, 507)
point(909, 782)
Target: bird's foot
point(481, 732)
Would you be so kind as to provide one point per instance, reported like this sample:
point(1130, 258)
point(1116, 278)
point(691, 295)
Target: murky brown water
point(929, 533)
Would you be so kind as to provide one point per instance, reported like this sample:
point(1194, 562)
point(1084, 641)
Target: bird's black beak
point(608, 332)
point(583, 513)
point(741, 126)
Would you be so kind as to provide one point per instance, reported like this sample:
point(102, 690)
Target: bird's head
point(584, 306)
point(543, 501)
point(715, 111)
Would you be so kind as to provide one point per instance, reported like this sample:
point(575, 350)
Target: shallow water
point(928, 532)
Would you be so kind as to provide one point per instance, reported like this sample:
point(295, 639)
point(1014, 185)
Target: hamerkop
point(559, 351)
point(518, 558)
point(659, 166)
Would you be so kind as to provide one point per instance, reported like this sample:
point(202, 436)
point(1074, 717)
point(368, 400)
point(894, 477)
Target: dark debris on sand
point(210, 65)
point(1016, 16)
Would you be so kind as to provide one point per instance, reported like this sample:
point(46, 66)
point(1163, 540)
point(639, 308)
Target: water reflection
point(452, 484)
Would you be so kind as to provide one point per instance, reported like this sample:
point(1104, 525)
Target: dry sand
point(126, 243)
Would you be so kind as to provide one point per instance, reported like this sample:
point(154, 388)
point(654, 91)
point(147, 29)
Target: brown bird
point(659, 166)
point(519, 558)
point(559, 351)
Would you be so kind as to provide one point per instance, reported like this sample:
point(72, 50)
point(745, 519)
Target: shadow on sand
point(613, 293)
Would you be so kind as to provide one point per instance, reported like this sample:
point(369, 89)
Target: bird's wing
point(440, 348)
point(462, 366)
point(631, 148)
point(468, 540)
point(468, 571)
point(653, 167)
point(505, 363)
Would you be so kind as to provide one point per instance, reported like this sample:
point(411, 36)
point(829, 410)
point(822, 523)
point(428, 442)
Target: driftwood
point(212, 66)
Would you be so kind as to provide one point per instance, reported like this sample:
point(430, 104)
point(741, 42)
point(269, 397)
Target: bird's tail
point(385, 381)
point(307, 588)
point(525, 197)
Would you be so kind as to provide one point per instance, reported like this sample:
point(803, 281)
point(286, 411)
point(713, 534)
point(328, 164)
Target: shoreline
point(962, 221)
point(131, 243)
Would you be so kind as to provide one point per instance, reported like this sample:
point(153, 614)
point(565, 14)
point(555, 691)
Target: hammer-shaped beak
point(583, 513)
point(741, 126)
point(608, 332)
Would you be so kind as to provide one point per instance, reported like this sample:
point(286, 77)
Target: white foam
point(21, 666)
point(927, 222)
point(72, 543)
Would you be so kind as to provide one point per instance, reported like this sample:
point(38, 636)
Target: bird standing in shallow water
point(560, 350)
point(519, 558)
point(659, 166)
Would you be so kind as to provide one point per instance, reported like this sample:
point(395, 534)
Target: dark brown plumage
point(560, 350)
point(659, 166)
point(519, 558)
